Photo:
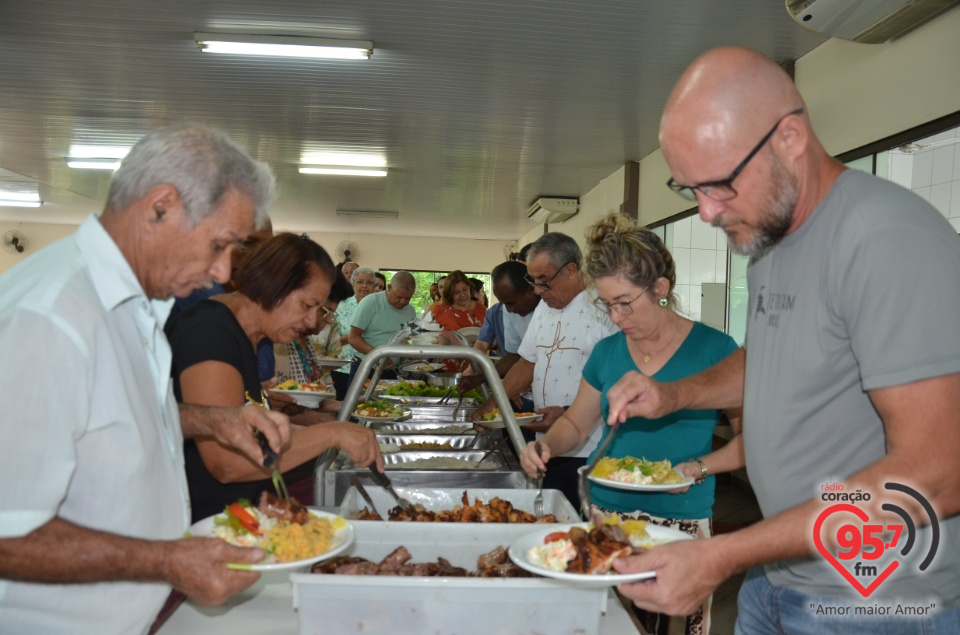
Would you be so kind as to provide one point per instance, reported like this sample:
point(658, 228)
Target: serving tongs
point(381, 479)
point(582, 487)
point(493, 449)
point(365, 494)
point(270, 462)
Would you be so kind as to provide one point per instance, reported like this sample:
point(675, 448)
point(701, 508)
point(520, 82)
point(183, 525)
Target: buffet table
point(266, 608)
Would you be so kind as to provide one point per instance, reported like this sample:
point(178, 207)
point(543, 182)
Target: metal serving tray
point(428, 401)
point(469, 458)
point(416, 605)
point(437, 499)
point(451, 441)
point(424, 427)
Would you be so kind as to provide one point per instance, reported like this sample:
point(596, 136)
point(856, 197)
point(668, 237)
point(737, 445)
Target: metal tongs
point(493, 450)
point(270, 462)
point(582, 487)
point(365, 494)
point(381, 479)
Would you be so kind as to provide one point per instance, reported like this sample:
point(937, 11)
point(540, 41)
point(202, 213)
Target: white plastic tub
point(335, 604)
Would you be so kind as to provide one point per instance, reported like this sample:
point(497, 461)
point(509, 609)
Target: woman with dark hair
point(458, 309)
point(279, 289)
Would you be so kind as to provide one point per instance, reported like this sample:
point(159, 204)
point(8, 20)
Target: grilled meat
point(597, 549)
point(496, 511)
point(490, 565)
point(290, 510)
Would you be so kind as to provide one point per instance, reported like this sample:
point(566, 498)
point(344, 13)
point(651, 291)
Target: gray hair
point(404, 280)
point(560, 249)
point(202, 164)
point(358, 271)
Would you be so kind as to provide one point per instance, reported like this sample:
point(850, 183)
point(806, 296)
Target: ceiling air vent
point(553, 210)
point(867, 21)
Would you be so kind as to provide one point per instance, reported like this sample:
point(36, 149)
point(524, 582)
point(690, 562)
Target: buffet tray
point(424, 427)
point(428, 402)
point(453, 441)
point(467, 458)
point(417, 605)
point(443, 498)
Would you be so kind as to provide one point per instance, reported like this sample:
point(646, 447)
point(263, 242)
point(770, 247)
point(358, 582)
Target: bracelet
point(703, 472)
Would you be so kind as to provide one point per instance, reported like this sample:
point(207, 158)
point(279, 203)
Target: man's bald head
point(726, 99)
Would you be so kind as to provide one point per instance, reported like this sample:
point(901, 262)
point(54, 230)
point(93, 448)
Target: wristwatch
point(703, 472)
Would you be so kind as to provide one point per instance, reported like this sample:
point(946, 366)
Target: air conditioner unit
point(553, 210)
point(867, 21)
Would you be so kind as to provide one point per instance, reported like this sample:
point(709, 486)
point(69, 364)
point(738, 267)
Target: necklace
point(648, 356)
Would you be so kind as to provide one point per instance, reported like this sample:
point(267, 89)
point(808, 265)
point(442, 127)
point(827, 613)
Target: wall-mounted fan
point(15, 242)
point(347, 250)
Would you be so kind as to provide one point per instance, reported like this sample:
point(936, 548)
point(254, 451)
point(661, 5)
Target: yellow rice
point(289, 541)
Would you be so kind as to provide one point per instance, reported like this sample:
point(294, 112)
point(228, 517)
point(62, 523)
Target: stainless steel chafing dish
point(448, 441)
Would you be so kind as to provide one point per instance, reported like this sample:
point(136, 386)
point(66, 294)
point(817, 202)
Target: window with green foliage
point(421, 298)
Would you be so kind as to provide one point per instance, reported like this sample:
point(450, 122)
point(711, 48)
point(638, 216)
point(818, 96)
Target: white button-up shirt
point(90, 431)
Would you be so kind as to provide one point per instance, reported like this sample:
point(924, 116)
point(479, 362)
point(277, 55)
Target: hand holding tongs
point(269, 456)
point(381, 479)
point(366, 495)
point(270, 462)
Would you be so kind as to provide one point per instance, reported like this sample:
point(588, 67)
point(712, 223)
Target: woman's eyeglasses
point(622, 308)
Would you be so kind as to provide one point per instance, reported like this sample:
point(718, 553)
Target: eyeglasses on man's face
point(545, 285)
point(723, 190)
point(621, 308)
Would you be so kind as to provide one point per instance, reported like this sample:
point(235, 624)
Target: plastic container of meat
point(328, 603)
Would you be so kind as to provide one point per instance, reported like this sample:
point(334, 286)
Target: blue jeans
point(764, 609)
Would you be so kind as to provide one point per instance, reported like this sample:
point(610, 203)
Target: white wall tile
point(940, 198)
point(681, 232)
point(923, 192)
point(703, 266)
point(956, 162)
point(681, 257)
point(696, 300)
point(955, 201)
point(956, 224)
point(942, 165)
point(721, 266)
point(901, 169)
point(682, 291)
point(721, 240)
point(922, 170)
point(668, 235)
point(702, 235)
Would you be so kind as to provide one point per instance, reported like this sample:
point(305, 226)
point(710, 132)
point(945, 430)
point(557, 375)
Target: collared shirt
point(90, 432)
point(558, 343)
point(492, 329)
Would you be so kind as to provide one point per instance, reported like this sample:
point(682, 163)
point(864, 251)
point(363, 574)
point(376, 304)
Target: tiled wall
point(933, 173)
point(700, 252)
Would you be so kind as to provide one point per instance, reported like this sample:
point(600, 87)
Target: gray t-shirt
point(862, 296)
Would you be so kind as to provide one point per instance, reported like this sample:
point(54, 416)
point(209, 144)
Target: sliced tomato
point(555, 536)
point(246, 519)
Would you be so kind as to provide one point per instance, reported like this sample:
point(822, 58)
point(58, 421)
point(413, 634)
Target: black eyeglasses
point(722, 190)
point(623, 308)
point(545, 285)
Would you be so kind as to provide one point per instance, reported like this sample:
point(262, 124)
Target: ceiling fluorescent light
point(92, 164)
point(19, 199)
point(367, 214)
point(342, 170)
point(283, 46)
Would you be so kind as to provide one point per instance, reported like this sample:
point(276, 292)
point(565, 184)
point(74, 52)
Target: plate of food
point(292, 535)
point(582, 554)
point(494, 420)
point(638, 475)
point(379, 410)
point(307, 395)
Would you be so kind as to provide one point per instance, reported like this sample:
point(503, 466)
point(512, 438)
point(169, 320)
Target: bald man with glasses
point(850, 374)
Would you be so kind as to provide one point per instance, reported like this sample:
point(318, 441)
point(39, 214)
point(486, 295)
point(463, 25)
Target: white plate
point(636, 487)
point(498, 423)
point(518, 553)
point(306, 398)
point(341, 540)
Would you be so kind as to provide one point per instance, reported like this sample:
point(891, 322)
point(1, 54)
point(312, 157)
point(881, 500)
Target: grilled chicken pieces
point(496, 511)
